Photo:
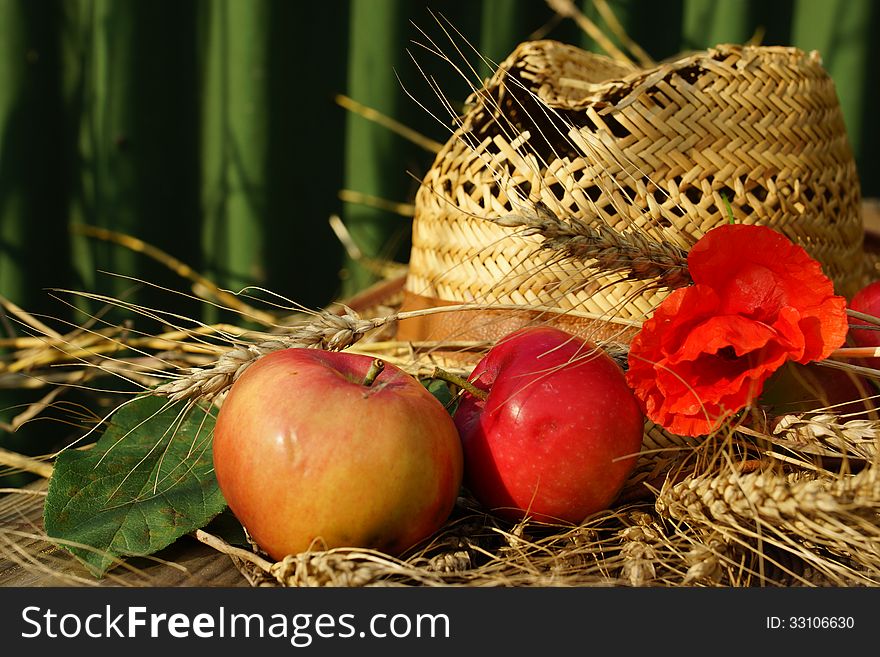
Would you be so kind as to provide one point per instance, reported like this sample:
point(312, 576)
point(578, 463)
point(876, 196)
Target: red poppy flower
point(758, 300)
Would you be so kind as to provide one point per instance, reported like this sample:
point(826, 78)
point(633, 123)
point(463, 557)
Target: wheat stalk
point(824, 434)
point(330, 331)
point(768, 495)
point(327, 331)
point(600, 246)
point(704, 560)
point(832, 524)
point(639, 551)
point(339, 567)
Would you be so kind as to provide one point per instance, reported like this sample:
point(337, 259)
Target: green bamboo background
point(209, 128)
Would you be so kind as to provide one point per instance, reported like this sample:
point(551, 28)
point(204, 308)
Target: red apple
point(867, 300)
point(558, 433)
point(307, 450)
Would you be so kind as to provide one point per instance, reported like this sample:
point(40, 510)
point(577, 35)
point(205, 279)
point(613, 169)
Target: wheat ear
point(600, 246)
point(826, 434)
point(327, 331)
point(808, 516)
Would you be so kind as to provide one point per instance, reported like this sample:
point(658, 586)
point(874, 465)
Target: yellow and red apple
point(312, 449)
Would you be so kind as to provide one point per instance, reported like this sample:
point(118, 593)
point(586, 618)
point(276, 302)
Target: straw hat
point(667, 152)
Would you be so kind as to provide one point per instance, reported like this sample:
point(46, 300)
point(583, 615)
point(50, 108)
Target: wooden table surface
point(28, 559)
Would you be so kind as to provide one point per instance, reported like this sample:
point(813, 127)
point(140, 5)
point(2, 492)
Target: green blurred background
point(209, 129)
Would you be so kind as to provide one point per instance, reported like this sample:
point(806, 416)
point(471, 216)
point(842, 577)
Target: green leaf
point(147, 482)
point(440, 389)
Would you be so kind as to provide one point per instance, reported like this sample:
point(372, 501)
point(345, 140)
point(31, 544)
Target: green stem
point(375, 370)
point(461, 382)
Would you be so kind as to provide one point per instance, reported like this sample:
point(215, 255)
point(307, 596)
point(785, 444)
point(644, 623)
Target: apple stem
point(375, 370)
point(461, 382)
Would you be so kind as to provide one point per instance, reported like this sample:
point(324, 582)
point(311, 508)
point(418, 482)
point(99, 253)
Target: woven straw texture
point(662, 150)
